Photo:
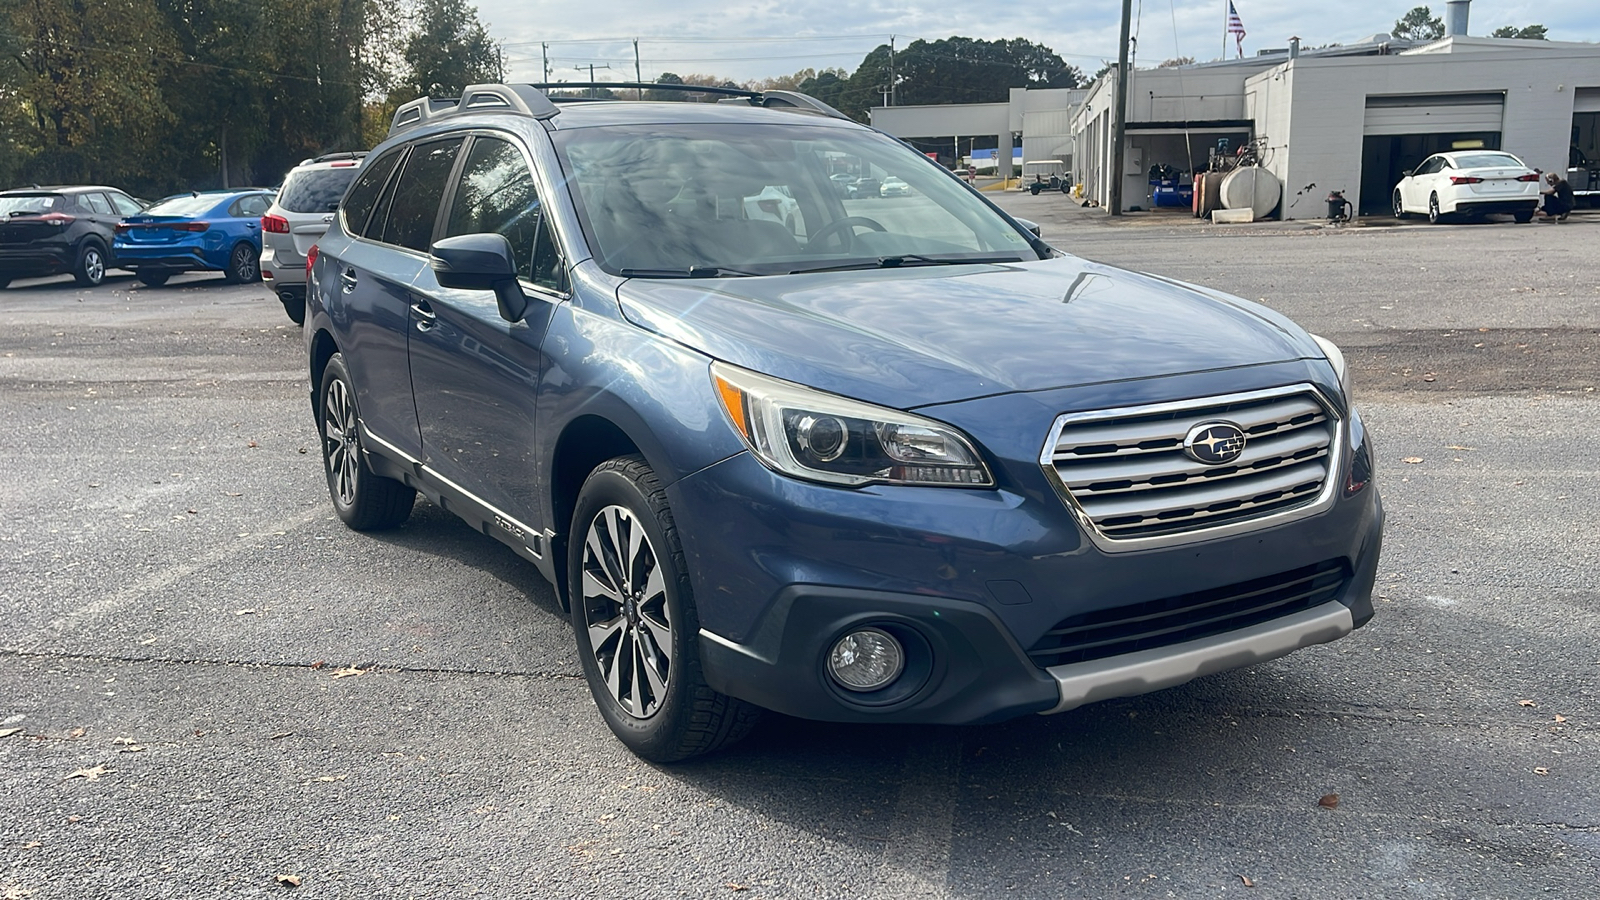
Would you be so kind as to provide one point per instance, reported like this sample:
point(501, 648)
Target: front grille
point(1188, 617)
point(1129, 474)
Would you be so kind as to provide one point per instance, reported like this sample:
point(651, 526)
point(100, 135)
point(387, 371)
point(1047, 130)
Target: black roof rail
point(516, 99)
point(340, 154)
point(531, 100)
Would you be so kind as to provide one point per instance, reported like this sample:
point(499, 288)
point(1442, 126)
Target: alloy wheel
point(94, 265)
point(244, 265)
point(340, 444)
point(625, 610)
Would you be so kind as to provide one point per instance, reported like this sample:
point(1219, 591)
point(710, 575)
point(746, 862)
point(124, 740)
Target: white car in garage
point(1468, 183)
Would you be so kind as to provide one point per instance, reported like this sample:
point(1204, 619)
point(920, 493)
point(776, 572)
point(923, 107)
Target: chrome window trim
point(1338, 456)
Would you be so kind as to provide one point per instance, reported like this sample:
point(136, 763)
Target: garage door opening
point(1385, 158)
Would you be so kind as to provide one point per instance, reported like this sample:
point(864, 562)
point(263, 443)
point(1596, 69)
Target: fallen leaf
point(131, 748)
point(1540, 770)
point(330, 778)
point(318, 664)
point(32, 845)
point(280, 735)
point(733, 886)
point(89, 774)
point(1247, 881)
point(1560, 718)
point(1329, 801)
point(252, 444)
point(232, 494)
point(1524, 702)
point(8, 732)
point(1429, 377)
point(1413, 460)
point(243, 612)
point(77, 732)
point(287, 880)
point(1459, 447)
point(347, 672)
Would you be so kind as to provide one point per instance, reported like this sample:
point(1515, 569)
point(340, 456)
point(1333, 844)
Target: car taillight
point(60, 220)
point(122, 228)
point(1531, 176)
point(1465, 179)
point(768, 206)
point(195, 227)
point(275, 224)
point(311, 260)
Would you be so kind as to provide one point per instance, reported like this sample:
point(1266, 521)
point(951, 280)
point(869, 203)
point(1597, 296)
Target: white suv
point(300, 214)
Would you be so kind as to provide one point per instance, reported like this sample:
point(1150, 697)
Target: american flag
point(1236, 27)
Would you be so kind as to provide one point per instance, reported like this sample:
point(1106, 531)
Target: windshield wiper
point(914, 259)
point(691, 272)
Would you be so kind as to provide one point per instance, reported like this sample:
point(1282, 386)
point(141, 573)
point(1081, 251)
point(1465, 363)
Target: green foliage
point(449, 50)
point(1175, 62)
point(1420, 24)
point(1526, 33)
point(954, 70)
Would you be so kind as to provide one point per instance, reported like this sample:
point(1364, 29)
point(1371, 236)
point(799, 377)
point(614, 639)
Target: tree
point(449, 50)
point(1107, 67)
point(1176, 62)
point(1419, 24)
point(1527, 33)
point(955, 70)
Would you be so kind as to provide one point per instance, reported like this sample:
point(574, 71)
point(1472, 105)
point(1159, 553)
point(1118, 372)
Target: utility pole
point(544, 57)
point(1119, 131)
point(638, 93)
point(594, 92)
point(888, 99)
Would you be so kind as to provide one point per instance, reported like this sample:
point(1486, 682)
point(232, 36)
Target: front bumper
point(970, 581)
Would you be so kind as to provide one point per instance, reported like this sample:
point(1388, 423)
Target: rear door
point(475, 375)
point(373, 274)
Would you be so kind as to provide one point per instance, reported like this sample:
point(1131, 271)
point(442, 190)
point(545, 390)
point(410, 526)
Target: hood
point(912, 337)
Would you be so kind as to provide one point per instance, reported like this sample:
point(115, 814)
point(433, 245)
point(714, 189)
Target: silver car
point(305, 205)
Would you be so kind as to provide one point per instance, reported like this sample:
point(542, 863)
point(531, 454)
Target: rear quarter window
point(357, 207)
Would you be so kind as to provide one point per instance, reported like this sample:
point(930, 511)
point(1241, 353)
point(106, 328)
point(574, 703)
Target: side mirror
point(481, 262)
point(1406, 174)
point(1032, 227)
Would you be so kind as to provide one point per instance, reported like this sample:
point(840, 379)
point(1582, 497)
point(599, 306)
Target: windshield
point(316, 190)
point(184, 205)
point(760, 199)
point(30, 204)
point(1487, 160)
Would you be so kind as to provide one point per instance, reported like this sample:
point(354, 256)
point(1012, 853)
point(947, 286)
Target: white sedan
point(1469, 182)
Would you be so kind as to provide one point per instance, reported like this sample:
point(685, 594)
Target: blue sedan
point(206, 231)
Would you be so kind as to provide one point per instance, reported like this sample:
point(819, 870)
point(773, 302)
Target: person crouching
point(1559, 199)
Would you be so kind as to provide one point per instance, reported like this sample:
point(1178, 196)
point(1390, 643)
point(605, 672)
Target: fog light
point(866, 660)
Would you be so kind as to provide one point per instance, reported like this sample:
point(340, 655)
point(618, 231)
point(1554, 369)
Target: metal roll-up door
point(1434, 113)
point(1587, 100)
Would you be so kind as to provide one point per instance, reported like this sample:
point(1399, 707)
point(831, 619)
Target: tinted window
point(364, 193)
point(418, 192)
point(249, 207)
point(185, 205)
point(316, 190)
point(97, 203)
point(1487, 160)
point(125, 205)
point(496, 194)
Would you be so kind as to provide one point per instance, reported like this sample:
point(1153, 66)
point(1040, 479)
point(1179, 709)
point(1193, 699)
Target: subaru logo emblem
point(1214, 443)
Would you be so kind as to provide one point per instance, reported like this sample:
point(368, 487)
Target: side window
point(547, 269)
point(254, 205)
point(496, 195)
point(357, 207)
point(125, 205)
point(418, 192)
point(98, 203)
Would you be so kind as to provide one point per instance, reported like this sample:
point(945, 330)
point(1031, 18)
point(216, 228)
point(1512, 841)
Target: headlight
point(823, 437)
point(1335, 356)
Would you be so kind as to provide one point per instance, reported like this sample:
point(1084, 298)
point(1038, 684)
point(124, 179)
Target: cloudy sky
point(748, 39)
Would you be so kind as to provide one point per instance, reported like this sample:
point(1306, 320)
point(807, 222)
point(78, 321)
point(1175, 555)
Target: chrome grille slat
point(1128, 477)
point(1285, 447)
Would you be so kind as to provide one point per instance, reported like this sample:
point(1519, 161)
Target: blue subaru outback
point(868, 460)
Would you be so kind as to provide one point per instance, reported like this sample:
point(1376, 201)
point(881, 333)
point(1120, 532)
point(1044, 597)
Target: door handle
point(347, 278)
point(426, 317)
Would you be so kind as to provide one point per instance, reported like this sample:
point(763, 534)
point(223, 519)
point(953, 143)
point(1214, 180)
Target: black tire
point(1399, 207)
point(1523, 217)
point(661, 713)
point(295, 307)
point(153, 278)
point(244, 265)
point(90, 269)
point(1434, 216)
point(364, 500)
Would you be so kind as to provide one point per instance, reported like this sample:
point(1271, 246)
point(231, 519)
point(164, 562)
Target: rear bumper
point(169, 259)
point(1519, 204)
point(19, 262)
point(285, 268)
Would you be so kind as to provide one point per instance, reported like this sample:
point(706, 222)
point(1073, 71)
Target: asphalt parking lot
point(209, 687)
